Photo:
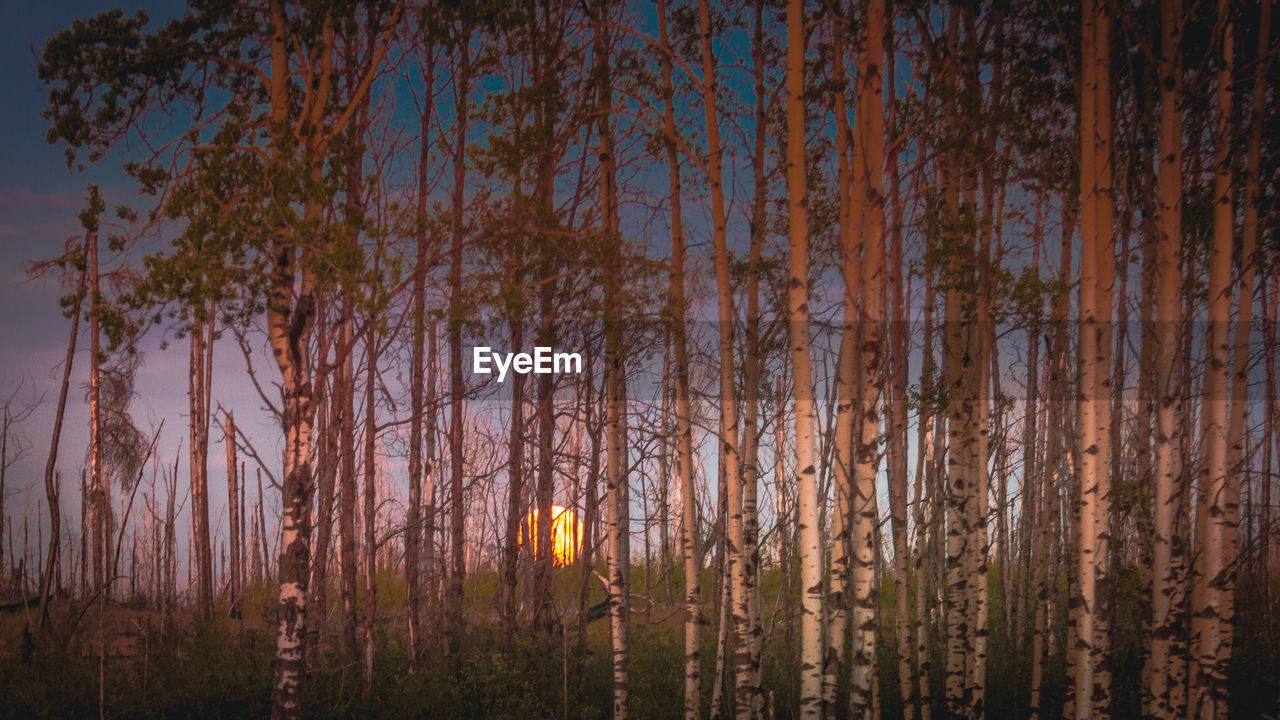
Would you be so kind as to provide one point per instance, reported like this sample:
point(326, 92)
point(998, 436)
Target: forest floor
point(132, 661)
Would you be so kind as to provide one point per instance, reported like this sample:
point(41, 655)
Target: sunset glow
point(566, 534)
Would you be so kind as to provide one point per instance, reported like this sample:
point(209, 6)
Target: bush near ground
point(152, 666)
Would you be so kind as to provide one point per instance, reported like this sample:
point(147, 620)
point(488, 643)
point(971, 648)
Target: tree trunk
point(97, 492)
point(326, 396)
point(618, 523)
point(1052, 469)
point(847, 429)
point(430, 560)
point(1107, 433)
point(370, 543)
point(1165, 696)
point(924, 512)
point(291, 312)
point(1270, 438)
point(1213, 611)
point(457, 573)
point(1249, 258)
point(786, 527)
point(684, 432)
point(344, 398)
point(86, 518)
point(1092, 636)
point(199, 465)
point(1145, 415)
point(417, 395)
point(723, 618)
point(52, 485)
point(170, 546)
point(798, 332)
point(1038, 562)
point(515, 500)
point(965, 369)
point(616, 460)
point(752, 361)
point(590, 515)
point(543, 612)
point(233, 512)
point(262, 529)
point(869, 179)
point(744, 694)
point(288, 333)
point(1030, 511)
point(900, 344)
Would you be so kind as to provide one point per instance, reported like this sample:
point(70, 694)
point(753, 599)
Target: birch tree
point(462, 70)
point(869, 179)
point(1165, 696)
point(811, 647)
point(1212, 601)
point(616, 461)
point(744, 693)
point(293, 133)
point(413, 535)
point(848, 429)
point(964, 362)
point(676, 309)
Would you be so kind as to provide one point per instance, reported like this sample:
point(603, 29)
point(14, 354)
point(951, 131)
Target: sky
point(39, 199)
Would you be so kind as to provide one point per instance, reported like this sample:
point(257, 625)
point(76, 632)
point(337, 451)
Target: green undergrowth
point(176, 667)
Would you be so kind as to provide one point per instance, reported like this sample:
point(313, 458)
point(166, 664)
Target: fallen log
point(17, 605)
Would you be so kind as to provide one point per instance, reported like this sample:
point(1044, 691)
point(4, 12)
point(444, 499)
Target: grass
point(182, 668)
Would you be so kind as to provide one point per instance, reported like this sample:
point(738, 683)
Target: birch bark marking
point(1212, 603)
point(751, 365)
point(413, 514)
point(615, 431)
point(1236, 462)
point(684, 433)
point(454, 618)
point(743, 693)
point(507, 603)
point(1248, 254)
point(847, 430)
point(798, 333)
point(1104, 209)
point(290, 313)
point(869, 179)
point(1166, 696)
point(899, 340)
point(1090, 470)
point(963, 386)
point(924, 513)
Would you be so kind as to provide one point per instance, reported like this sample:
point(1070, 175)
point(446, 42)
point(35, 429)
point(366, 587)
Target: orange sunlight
point(566, 534)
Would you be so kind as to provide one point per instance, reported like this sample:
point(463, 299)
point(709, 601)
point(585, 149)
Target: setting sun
point(566, 534)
